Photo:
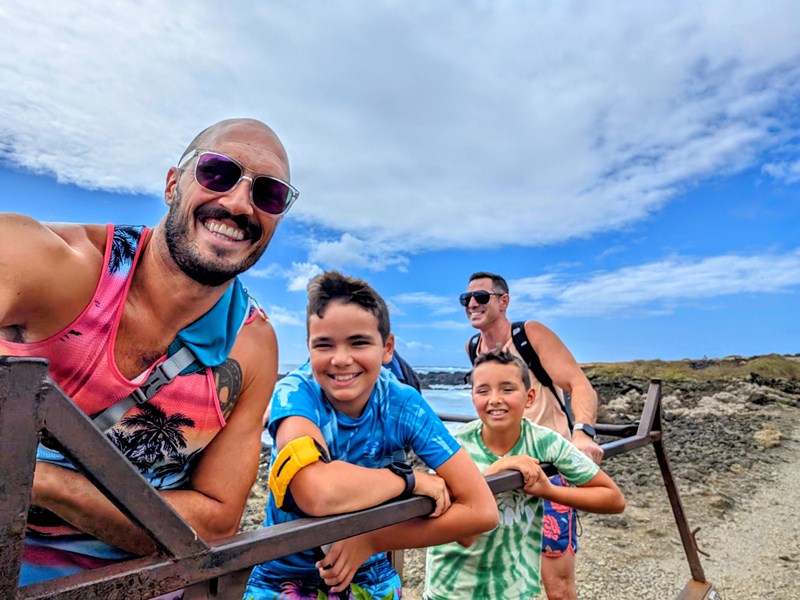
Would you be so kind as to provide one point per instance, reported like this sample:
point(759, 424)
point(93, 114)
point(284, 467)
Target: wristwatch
point(585, 428)
point(405, 471)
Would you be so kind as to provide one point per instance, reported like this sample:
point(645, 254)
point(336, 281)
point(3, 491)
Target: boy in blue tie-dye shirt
point(362, 420)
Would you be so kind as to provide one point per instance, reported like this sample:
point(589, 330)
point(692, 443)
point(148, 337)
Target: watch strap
point(405, 471)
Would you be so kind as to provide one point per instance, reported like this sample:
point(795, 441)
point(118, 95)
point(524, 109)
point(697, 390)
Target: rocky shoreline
point(733, 440)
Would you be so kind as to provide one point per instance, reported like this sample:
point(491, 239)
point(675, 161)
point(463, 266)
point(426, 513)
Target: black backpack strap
point(531, 358)
point(409, 375)
point(473, 347)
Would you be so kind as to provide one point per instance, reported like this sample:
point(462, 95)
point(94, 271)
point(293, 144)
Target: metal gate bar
point(31, 405)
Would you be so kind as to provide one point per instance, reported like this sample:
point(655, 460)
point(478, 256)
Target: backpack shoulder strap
point(531, 358)
point(473, 347)
point(158, 378)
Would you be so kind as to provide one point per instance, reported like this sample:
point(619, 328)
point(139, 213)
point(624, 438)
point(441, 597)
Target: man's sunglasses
point(481, 297)
point(220, 174)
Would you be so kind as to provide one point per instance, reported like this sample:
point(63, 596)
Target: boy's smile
point(346, 353)
point(499, 395)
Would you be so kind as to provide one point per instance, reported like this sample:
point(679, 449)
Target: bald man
point(108, 304)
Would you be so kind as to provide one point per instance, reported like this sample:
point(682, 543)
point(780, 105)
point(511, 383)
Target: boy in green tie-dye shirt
point(505, 562)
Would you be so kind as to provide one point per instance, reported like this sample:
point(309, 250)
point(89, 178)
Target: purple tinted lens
point(271, 195)
point(217, 173)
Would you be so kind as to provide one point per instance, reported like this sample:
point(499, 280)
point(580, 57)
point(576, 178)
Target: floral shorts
point(559, 528)
point(299, 590)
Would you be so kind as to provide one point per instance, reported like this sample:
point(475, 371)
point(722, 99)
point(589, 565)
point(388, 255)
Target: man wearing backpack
point(555, 375)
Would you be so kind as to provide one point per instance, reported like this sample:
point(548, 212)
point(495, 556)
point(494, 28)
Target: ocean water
point(450, 400)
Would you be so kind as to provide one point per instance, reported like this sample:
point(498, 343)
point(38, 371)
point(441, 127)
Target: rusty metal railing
point(32, 406)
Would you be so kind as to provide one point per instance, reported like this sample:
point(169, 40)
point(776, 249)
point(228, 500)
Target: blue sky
point(632, 169)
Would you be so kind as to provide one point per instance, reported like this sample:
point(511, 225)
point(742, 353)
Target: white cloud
point(301, 274)
point(438, 305)
point(297, 276)
point(281, 315)
point(786, 171)
point(443, 325)
point(658, 287)
point(350, 251)
point(413, 346)
point(512, 124)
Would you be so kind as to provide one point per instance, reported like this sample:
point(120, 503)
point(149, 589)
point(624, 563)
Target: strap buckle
point(158, 378)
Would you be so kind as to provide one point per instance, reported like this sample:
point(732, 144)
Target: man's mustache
point(253, 230)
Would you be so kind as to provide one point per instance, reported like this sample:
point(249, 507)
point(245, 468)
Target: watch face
point(587, 429)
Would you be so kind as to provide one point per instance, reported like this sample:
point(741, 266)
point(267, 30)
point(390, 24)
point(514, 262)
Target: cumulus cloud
point(657, 287)
point(297, 275)
point(446, 325)
point(413, 346)
point(786, 171)
point(512, 124)
point(281, 315)
point(350, 251)
point(438, 305)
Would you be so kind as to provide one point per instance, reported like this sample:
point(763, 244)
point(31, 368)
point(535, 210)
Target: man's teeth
point(214, 227)
point(344, 377)
point(497, 411)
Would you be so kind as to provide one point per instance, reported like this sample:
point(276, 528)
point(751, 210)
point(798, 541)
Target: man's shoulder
point(255, 339)
point(534, 328)
point(78, 237)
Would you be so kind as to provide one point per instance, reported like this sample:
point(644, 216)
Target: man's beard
point(207, 270)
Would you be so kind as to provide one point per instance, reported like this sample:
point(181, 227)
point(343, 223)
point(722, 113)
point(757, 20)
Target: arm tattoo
point(228, 378)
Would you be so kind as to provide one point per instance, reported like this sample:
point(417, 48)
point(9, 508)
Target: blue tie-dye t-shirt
point(395, 419)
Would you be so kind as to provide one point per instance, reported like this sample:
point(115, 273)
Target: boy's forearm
point(596, 499)
point(339, 487)
point(458, 523)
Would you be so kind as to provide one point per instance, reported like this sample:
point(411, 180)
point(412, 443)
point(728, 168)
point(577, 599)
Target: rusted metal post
point(20, 385)
point(687, 539)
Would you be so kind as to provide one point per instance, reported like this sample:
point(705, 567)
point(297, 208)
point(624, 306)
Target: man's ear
point(388, 349)
point(531, 397)
point(504, 302)
point(171, 186)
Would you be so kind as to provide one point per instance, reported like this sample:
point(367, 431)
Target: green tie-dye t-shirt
point(504, 563)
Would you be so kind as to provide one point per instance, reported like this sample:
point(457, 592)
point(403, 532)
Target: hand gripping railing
point(32, 405)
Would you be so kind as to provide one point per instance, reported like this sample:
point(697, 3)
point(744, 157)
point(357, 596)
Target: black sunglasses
point(481, 297)
point(219, 173)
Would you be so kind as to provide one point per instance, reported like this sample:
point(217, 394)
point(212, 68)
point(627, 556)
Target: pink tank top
point(161, 437)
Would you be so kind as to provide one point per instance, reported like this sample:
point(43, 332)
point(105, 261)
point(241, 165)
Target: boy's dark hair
point(504, 357)
point(499, 285)
point(332, 285)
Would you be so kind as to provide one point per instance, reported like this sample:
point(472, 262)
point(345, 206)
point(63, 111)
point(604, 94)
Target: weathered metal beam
point(20, 385)
point(624, 445)
point(150, 576)
point(687, 537)
point(192, 562)
point(108, 469)
point(651, 409)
